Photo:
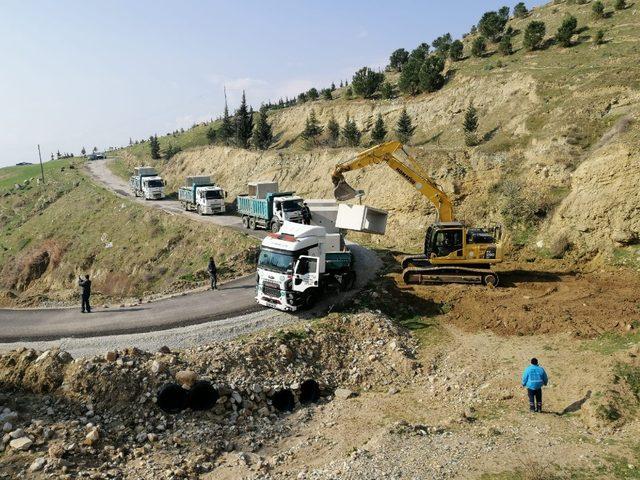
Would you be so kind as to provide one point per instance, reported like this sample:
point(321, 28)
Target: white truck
point(300, 262)
point(266, 207)
point(146, 183)
point(202, 195)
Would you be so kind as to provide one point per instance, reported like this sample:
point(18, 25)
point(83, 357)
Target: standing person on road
point(533, 379)
point(213, 273)
point(85, 285)
point(306, 214)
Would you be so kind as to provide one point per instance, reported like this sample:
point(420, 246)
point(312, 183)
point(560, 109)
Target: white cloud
point(293, 87)
point(241, 83)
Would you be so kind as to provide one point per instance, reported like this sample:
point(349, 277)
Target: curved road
point(232, 299)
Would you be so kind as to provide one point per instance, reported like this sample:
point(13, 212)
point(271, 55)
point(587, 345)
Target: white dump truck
point(202, 195)
point(146, 183)
point(265, 207)
point(300, 262)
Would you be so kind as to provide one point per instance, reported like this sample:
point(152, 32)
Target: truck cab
point(210, 200)
point(286, 209)
point(152, 188)
point(300, 262)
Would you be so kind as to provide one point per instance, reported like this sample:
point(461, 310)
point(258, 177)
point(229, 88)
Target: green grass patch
point(628, 256)
point(9, 176)
point(609, 343)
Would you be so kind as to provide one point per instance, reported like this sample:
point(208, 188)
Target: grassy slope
point(128, 249)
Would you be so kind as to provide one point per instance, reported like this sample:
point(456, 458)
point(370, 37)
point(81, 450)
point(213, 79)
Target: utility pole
point(41, 167)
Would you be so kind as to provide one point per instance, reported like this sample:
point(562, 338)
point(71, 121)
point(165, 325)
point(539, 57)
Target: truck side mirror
point(226, 194)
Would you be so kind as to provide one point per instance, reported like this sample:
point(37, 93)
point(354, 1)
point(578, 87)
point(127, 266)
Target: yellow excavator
point(453, 251)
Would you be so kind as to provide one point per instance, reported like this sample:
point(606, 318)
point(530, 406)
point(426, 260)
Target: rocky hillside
point(558, 159)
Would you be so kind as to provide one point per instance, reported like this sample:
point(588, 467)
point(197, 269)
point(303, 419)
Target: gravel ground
point(175, 338)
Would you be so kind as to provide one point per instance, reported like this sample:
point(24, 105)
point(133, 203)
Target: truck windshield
point(277, 261)
point(292, 205)
point(213, 194)
point(154, 183)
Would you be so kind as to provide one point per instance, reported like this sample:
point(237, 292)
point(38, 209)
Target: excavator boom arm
point(392, 154)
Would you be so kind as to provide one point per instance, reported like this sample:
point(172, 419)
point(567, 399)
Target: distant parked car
point(21, 164)
point(96, 156)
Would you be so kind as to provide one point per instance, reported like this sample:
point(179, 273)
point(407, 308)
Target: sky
point(89, 73)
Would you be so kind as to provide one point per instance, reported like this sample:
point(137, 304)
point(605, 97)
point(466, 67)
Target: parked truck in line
point(265, 207)
point(202, 195)
point(146, 183)
point(299, 263)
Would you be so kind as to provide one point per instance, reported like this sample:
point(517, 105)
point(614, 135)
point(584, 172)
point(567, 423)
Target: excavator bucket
point(344, 191)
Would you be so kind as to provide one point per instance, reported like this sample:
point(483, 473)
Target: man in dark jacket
point(306, 214)
point(85, 284)
point(533, 379)
point(213, 273)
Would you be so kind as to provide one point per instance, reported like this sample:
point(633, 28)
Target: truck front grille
point(271, 290)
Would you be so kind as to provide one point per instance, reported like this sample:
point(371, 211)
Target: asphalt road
point(233, 299)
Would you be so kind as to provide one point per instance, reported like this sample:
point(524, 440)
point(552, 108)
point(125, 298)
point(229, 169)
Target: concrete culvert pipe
point(172, 398)
point(309, 391)
point(283, 400)
point(202, 396)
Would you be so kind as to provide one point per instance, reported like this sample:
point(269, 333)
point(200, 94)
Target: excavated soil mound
point(531, 301)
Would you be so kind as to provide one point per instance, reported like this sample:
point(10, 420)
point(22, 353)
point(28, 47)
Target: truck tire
point(199, 210)
point(348, 281)
point(245, 221)
point(275, 226)
point(252, 223)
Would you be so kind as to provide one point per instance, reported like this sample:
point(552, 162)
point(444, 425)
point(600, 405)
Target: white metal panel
point(361, 218)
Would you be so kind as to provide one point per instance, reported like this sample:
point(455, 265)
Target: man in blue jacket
point(533, 379)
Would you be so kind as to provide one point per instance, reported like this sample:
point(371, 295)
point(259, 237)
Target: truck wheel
point(348, 281)
point(275, 227)
point(199, 210)
point(245, 221)
point(252, 223)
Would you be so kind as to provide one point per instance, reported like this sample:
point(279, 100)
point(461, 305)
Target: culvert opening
point(309, 391)
point(283, 400)
point(202, 396)
point(172, 398)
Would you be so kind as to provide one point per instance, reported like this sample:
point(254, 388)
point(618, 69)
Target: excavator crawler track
point(429, 275)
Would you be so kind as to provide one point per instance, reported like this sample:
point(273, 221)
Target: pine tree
point(534, 34)
point(83, 151)
point(456, 50)
point(244, 124)
point(397, 59)
point(566, 31)
point(479, 47)
point(430, 76)
point(262, 133)
point(334, 131)
point(379, 131)
point(52, 156)
point(386, 90)
point(212, 135)
point(598, 9)
point(351, 133)
point(227, 130)
point(326, 94)
point(470, 126)
point(58, 154)
point(404, 127)
point(505, 47)
point(520, 10)
point(154, 147)
point(95, 149)
point(492, 24)
point(598, 39)
point(409, 81)
point(442, 44)
point(333, 86)
point(366, 82)
point(313, 94)
point(312, 129)
point(348, 93)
